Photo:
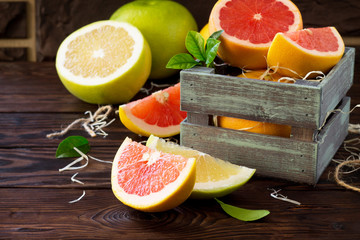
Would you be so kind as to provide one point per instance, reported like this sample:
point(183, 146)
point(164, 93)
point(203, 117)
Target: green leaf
point(66, 147)
point(216, 34)
point(182, 61)
point(195, 43)
point(212, 46)
point(241, 213)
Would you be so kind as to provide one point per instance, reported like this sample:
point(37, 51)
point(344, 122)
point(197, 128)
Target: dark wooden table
point(34, 195)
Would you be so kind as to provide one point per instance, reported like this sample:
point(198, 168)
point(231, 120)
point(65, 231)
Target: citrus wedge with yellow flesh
point(150, 180)
point(214, 177)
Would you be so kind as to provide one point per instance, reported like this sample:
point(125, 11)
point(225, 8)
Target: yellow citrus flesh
point(214, 177)
point(140, 191)
point(105, 62)
point(296, 61)
point(257, 19)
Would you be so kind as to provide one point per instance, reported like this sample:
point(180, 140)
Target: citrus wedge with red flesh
point(158, 114)
point(300, 52)
point(150, 180)
point(249, 27)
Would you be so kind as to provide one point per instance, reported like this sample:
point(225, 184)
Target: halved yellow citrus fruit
point(106, 62)
point(249, 27)
point(150, 180)
point(214, 177)
point(158, 114)
point(300, 52)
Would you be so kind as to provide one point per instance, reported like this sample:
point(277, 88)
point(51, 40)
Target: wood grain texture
point(252, 99)
point(332, 135)
point(34, 196)
point(339, 81)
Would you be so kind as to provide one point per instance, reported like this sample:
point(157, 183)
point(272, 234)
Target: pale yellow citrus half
point(106, 62)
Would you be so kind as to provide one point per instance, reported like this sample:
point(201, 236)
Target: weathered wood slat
point(332, 135)
point(339, 81)
point(249, 98)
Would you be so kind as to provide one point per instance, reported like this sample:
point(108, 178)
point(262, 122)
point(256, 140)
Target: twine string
point(99, 116)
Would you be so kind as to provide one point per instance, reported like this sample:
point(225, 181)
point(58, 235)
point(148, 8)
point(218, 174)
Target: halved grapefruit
point(149, 180)
point(303, 51)
point(249, 27)
point(158, 114)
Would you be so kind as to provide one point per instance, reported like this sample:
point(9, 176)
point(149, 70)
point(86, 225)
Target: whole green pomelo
point(164, 24)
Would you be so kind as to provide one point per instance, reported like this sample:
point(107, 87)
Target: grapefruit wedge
point(249, 27)
point(149, 180)
point(300, 52)
point(214, 177)
point(158, 114)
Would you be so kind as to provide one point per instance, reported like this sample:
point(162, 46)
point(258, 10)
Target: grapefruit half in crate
point(149, 180)
point(303, 51)
point(249, 27)
point(158, 114)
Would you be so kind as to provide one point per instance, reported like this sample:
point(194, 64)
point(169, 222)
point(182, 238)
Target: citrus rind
point(169, 197)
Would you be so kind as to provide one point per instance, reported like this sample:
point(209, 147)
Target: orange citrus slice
point(249, 27)
point(106, 62)
point(158, 114)
point(303, 51)
point(149, 180)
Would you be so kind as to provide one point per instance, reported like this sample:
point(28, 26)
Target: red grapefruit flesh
point(249, 27)
point(158, 114)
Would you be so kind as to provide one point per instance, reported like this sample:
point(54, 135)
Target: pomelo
point(303, 51)
point(158, 114)
point(149, 180)
point(214, 177)
point(105, 62)
point(249, 27)
point(164, 24)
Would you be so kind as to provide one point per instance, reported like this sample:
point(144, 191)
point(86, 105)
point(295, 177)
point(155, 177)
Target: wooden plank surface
point(249, 98)
point(34, 195)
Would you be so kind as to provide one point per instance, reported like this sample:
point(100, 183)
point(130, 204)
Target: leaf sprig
point(204, 53)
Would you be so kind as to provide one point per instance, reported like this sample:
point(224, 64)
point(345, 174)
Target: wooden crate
point(303, 105)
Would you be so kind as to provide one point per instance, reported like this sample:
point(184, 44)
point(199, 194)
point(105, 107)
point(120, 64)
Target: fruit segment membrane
point(97, 54)
point(260, 20)
point(142, 171)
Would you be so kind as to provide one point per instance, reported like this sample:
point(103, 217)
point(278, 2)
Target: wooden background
point(56, 19)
